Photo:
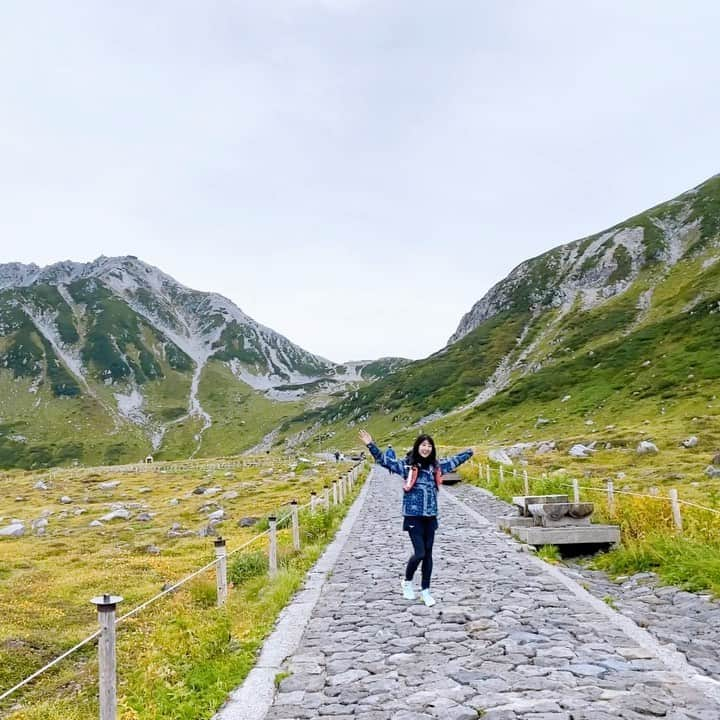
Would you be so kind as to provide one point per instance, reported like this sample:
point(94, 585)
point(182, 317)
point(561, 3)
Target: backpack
point(413, 474)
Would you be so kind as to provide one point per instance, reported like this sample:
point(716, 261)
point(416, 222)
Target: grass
point(550, 554)
point(180, 657)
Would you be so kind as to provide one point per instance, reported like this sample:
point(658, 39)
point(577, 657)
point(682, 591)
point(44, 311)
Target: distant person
point(390, 453)
point(337, 456)
point(423, 476)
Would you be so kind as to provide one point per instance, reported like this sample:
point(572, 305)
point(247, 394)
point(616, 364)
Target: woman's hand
point(365, 436)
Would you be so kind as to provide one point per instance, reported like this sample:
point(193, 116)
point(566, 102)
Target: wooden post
point(221, 567)
point(576, 490)
point(326, 497)
point(295, 525)
point(611, 497)
point(341, 489)
point(313, 501)
point(272, 565)
point(106, 605)
point(335, 492)
point(526, 484)
point(487, 472)
point(677, 517)
point(501, 471)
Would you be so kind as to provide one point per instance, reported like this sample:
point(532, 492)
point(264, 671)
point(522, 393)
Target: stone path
point(687, 621)
point(508, 638)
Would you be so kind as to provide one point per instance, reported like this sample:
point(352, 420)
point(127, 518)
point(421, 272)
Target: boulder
point(712, 471)
point(16, 529)
point(500, 456)
point(545, 446)
point(690, 442)
point(646, 448)
point(109, 484)
point(119, 514)
point(247, 521)
point(517, 450)
point(40, 485)
point(65, 500)
point(580, 451)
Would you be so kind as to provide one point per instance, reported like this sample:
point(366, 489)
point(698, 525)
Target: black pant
point(422, 535)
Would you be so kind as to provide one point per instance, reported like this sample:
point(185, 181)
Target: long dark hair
point(416, 459)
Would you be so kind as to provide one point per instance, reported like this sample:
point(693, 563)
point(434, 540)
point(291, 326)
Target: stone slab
point(506, 523)
point(581, 535)
point(522, 501)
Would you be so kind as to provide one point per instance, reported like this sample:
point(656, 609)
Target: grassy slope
point(180, 657)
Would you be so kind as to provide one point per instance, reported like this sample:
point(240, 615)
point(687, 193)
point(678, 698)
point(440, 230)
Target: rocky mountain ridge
point(116, 330)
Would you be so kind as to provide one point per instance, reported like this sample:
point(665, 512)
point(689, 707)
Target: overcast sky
point(355, 174)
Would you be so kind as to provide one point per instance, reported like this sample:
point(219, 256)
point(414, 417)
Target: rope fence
point(106, 604)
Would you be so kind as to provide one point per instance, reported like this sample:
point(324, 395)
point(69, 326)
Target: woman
point(423, 476)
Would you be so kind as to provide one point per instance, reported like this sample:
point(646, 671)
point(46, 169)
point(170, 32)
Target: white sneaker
point(408, 590)
point(427, 598)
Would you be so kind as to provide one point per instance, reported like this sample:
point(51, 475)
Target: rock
point(545, 446)
point(16, 529)
point(173, 501)
point(580, 451)
point(716, 460)
point(247, 521)
point(212, 491)
point(40, 485)
point(646, 448)
point(500, 456)
point(119, 514)
point(646, 364)
point(109, 484)
point(96, 523)
point(542, 421)
point(144, 490)
point(565, 398)
point(712, 471)
point(217, 515)
point(152, 550)
point(517, 450)
point(690, 442)
point(40, 523)
point(65, 500)
point(200, 490)
point(144, 517)
point(230, 495)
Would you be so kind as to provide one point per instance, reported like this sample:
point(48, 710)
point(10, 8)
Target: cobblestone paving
point(687, 621)
point(505, 638)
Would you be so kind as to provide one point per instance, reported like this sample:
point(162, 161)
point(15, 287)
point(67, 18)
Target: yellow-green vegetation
point(179, 657)
point(550, 554)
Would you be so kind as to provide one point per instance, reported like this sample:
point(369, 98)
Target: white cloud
point(310, 158)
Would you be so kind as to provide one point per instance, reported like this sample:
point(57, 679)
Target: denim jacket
point(421, 499)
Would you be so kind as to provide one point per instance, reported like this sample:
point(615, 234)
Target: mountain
point(109, 360)
point(622, 322)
